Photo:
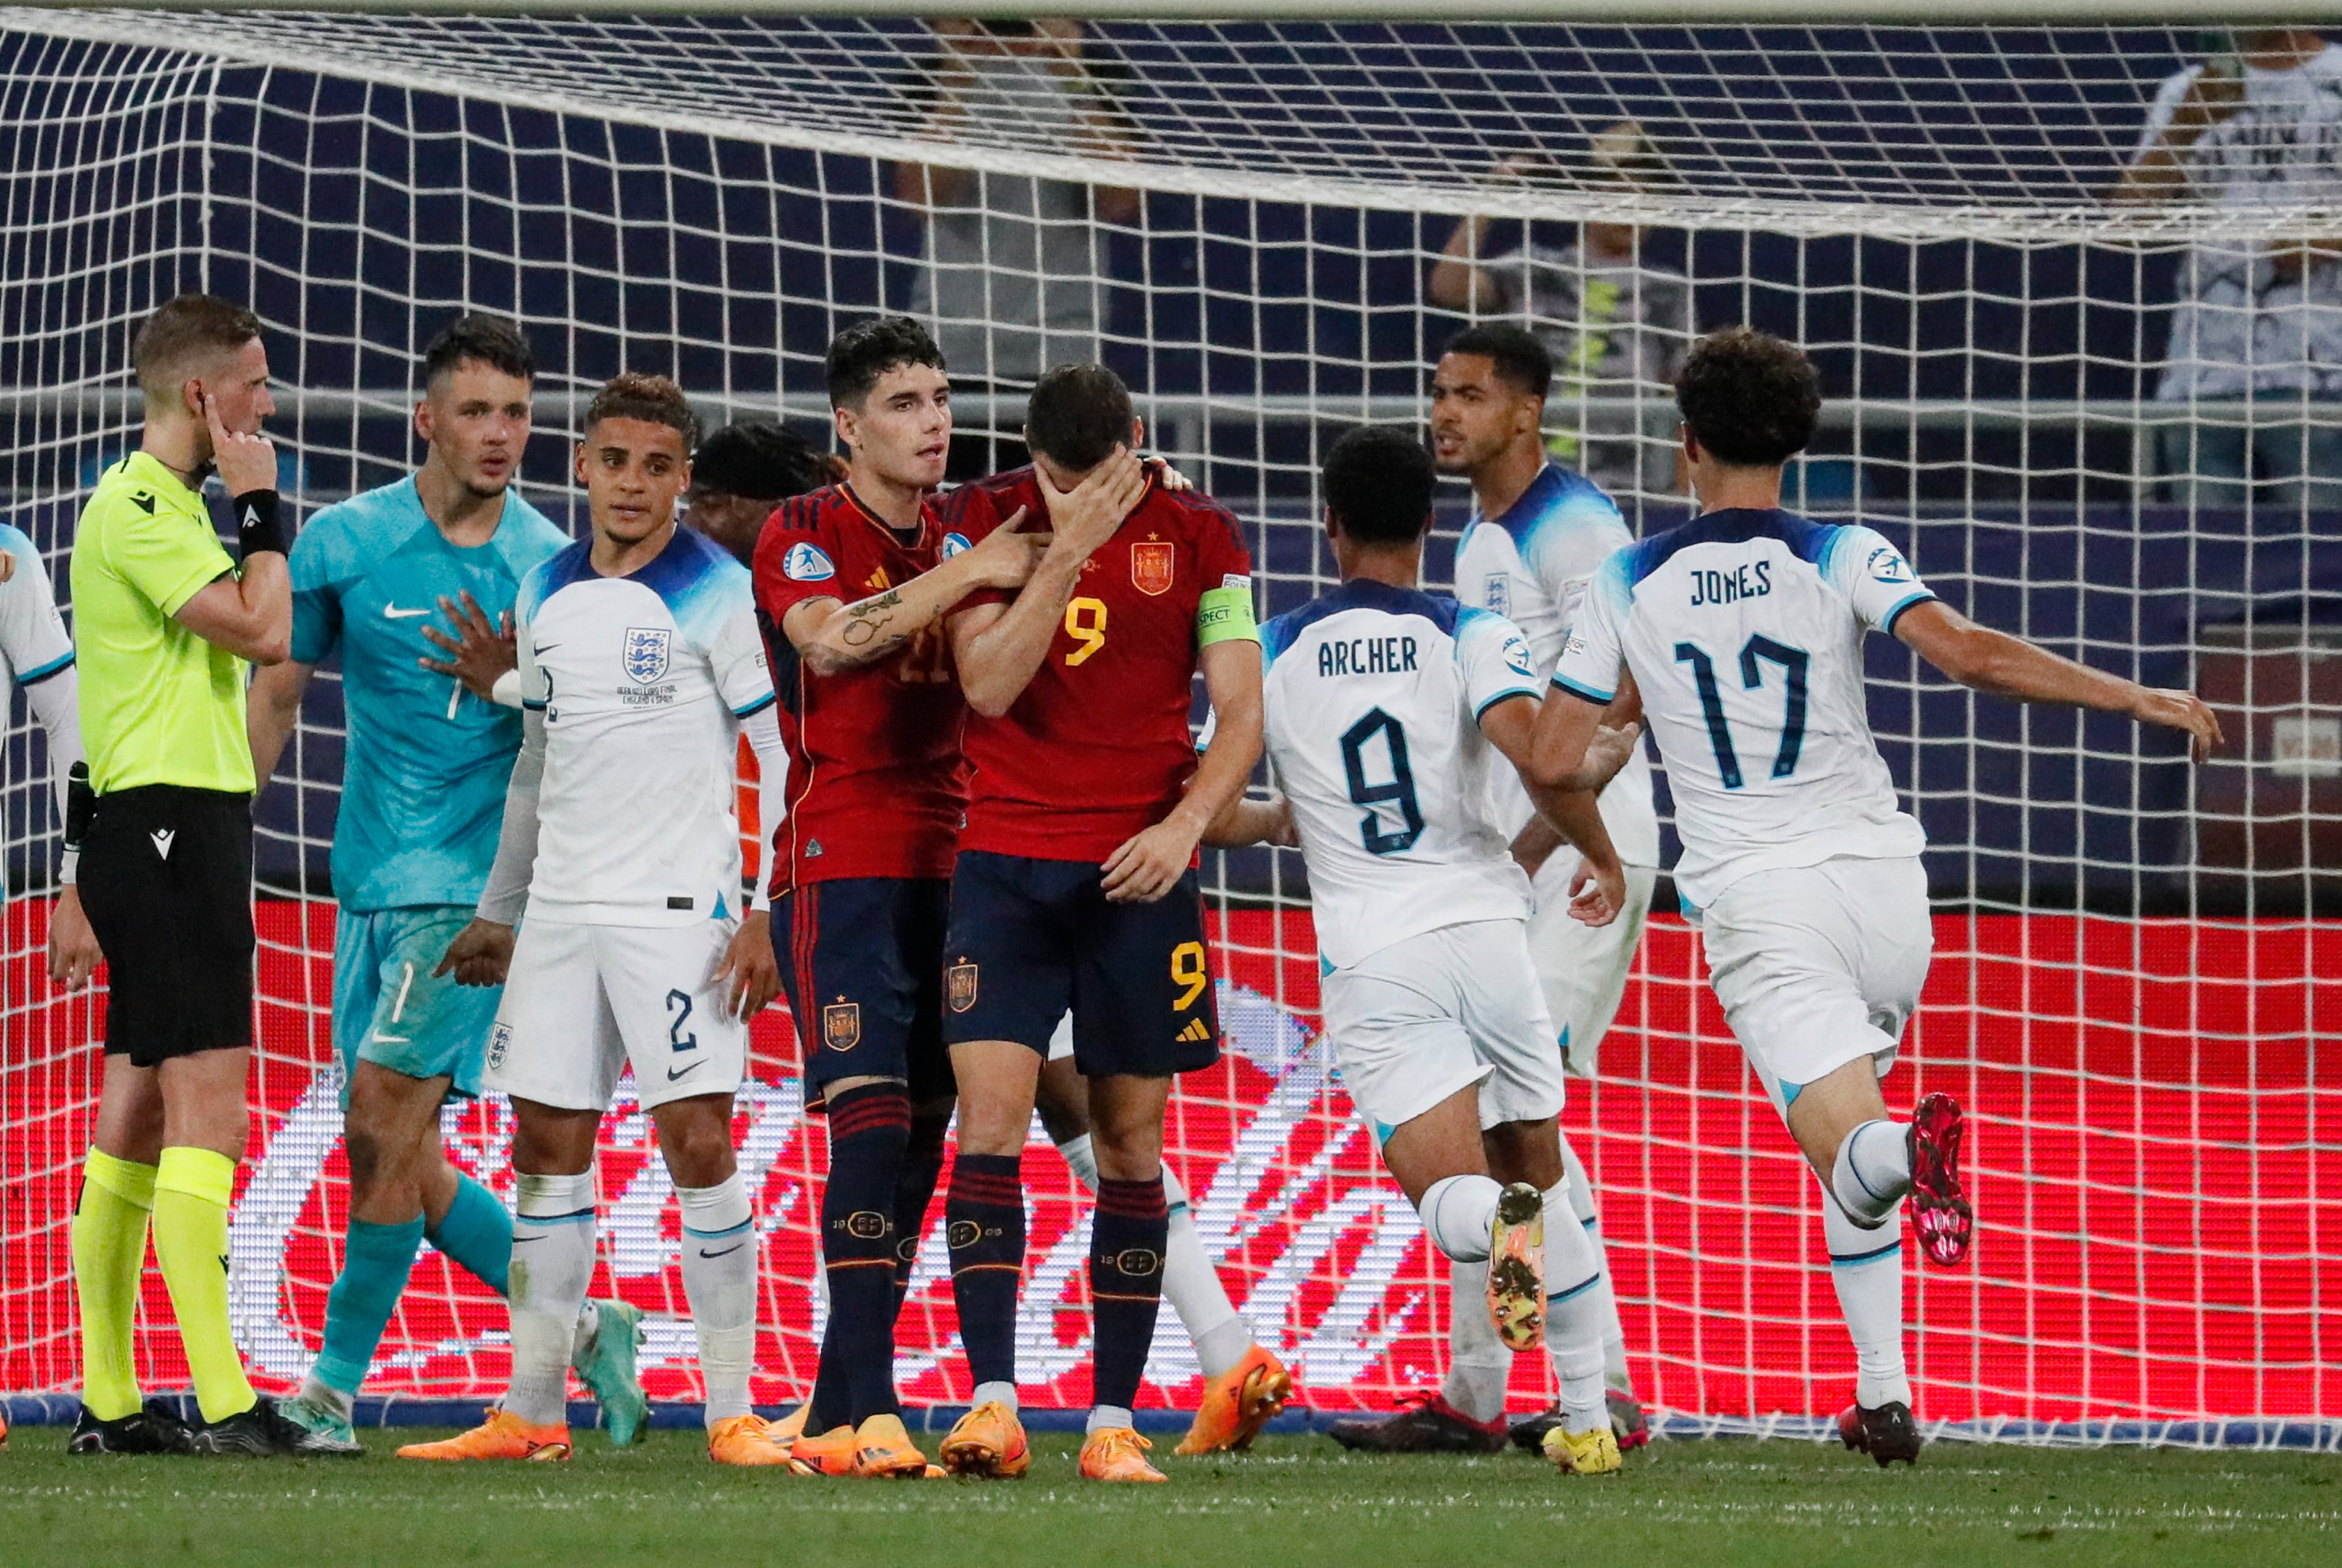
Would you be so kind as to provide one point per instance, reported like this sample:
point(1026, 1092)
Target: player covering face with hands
point(1387, 710)
point(640, 664)
point(1739, 637)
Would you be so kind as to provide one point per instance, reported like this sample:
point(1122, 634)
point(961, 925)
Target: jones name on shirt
point(1713, 588)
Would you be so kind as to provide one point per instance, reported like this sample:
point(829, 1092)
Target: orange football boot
point(1117, 1453)
point(503, 1435)
point(746, 1439)
point(1239, 1404)
point(988, 1441)
point(831, 1453)
point(883, 1449)
point(1516, 1268)
point(790, 1427)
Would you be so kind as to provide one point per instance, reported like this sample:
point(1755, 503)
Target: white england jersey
point(33, 642)
point(1531, 565)
point(1373, 696)
point(641, 682)
point(1743, 629)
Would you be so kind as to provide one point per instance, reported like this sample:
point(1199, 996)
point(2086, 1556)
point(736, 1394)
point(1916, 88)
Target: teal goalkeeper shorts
point(389, 1010)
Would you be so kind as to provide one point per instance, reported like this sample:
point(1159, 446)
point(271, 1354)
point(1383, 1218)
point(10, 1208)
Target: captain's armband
point(1223, 614)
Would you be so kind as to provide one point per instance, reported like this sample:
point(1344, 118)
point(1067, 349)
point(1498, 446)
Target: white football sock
point(1107, 1415)
point(719, 1281)
point(552, 1265)
point(1873, 1169)
point(1459, 1213)
point(1613, 1332)
point(1573, 1313)
point(1190, 1284)
point(1867, 1268)
point(1478, 1365)
point(993, 1393)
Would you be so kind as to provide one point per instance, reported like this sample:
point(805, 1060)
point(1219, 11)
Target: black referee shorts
point(166, 882)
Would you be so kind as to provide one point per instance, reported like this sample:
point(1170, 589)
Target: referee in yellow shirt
point(166, 623)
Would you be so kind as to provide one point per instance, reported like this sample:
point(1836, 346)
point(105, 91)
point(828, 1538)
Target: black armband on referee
point(258, 525)
point(81, 805)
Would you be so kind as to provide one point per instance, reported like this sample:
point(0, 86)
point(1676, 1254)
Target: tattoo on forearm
point(866, 620)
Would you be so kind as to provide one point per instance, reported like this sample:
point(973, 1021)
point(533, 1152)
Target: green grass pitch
point(1294, 1500)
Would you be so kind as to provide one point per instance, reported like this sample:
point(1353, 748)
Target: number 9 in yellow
point(1085, 624)
point(1187, 969)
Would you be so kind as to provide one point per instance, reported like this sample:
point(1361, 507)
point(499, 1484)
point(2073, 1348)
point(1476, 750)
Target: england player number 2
point(1397, 792)
point(1759, 650)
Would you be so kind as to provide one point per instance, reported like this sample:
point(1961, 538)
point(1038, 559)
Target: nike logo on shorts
point(674, 1073)
point(391, 612)
point(725, 1253)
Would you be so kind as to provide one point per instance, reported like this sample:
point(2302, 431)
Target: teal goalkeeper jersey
point(425, 766)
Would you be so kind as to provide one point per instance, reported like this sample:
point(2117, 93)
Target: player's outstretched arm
point(1150, 864)
point(1579, 745)
point(272, 707)
point(1599, 889)
point(997, 648)
point(482, 951)
point(831, 635)
point(1993, 661)
point(1247, 822)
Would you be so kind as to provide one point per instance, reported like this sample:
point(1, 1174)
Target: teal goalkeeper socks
point(375, 1260)
point(477, 1234)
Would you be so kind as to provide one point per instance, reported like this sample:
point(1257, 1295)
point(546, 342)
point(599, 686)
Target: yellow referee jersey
point(159, 704)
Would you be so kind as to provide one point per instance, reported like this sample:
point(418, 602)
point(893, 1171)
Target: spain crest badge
point(1151, 562)
point(841, 1025)
point(959, 987)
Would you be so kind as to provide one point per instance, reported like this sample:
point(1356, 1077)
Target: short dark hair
point(653, 399)
point(180, 329)
point(761, 460)
point(1077, 415)
point(1378, 483)
point(489, 339)
point(1750, 397)
point(867, 350)
point(1522, 362)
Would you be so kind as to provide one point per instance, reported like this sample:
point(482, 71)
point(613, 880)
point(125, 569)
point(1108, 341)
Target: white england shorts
point(584, 1001)
point(1818, 966)
point(1439, 1013)
point(1584, 968)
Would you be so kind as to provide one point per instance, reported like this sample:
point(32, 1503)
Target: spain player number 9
point(1187, 969)
point(1085, 624)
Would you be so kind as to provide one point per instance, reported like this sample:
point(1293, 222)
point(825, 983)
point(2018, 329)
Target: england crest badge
point(645, 653)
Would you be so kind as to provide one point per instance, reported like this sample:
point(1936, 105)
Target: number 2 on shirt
point(1085, 624)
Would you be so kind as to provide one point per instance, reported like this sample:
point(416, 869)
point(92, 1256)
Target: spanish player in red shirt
point(1074, 884)
point(851, 583)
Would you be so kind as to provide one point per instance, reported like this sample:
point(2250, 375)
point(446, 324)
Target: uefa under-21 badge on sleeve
point(807, 563)
point(1152, 563)
point(953, 544)
point(1886, 564)
point(841, 1025)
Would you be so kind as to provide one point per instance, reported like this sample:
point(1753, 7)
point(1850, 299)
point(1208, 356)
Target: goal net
point(1258, 224)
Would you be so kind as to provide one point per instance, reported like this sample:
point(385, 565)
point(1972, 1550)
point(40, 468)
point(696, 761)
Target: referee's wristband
point(259, 526)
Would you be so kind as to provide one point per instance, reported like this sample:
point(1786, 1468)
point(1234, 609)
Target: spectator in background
point(2256, 347)
point(745, 471)
point(1013, 280)
point(1616, 326)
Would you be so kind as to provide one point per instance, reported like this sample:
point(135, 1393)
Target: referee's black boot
point(255, 1433)
point(156, 1429)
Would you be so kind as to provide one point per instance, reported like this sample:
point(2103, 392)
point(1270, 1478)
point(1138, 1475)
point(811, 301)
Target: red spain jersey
point(874, 776)
point(1097, 747)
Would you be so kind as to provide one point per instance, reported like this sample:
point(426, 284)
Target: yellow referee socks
point(109, 1253)
point(192, 1187)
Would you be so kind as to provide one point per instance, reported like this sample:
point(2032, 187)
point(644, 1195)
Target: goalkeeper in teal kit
point(422, 792)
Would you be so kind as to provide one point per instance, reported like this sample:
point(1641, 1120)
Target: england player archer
point(1388, 710)
point(1737, 636)
point(640, 663)
point(423, 791)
